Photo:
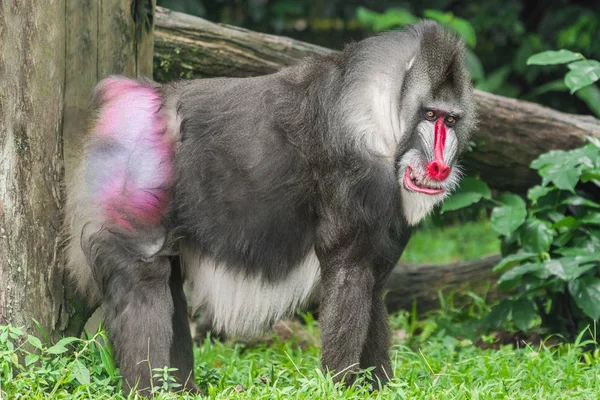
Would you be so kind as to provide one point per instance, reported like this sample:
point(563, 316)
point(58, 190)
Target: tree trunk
point(511, 132)
point(51, 56)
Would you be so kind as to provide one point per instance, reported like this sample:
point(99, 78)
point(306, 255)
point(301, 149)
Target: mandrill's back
point(194, 159)
point(243, 174)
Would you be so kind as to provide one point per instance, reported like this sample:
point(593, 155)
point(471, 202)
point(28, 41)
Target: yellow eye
point(430, 115)
point(450, 120)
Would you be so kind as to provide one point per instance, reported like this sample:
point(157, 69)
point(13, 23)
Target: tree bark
point(422, 283)
point(511, 132)
point(32, 67)
point(51, 56)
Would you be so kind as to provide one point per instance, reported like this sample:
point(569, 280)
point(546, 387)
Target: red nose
point(438, 170)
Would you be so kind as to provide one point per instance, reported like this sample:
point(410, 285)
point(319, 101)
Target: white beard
point(416, 206)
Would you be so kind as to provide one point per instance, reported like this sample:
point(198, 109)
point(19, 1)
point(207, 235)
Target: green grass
point(466, 241)
point(431, 361)
point(433, 366)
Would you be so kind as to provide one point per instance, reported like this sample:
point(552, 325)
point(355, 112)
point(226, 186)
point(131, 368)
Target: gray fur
point(271, 171)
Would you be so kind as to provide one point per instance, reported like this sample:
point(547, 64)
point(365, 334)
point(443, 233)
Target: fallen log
point(511, 132)
point(421, 284)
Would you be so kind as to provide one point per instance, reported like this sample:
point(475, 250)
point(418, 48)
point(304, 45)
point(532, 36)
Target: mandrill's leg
point(344, 316)
point(182, 356)
point(375, 352)
point(145, 312)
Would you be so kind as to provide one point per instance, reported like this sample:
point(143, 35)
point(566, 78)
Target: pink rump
point(130, 160)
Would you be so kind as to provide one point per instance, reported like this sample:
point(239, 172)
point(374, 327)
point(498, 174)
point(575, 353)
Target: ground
point(428, 362)
point(443, 355)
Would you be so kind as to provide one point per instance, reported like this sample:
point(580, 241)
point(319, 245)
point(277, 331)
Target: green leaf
point(548, 158)
point(566, 268)
point(462, 27)
point(511, 278)
point(564, 168)
point(476, 185)
point(575, 251)
point(30, 359)
point(537, 191)
point(563, 176)
point(579, 201)
point(536, 237)
point(591, 218)
point(513, 259)
point(366, 16)
point(498, 314)
point(582, 268)
point(57, 349)
point(35, 342)
point(552, 268)
point(392, 18)
point(551, 203)
point(590, 175)
point(464, 30)
point(460, 200)
point(442, 17)
point(586, 293)
point(587, 258)
point(586, 65)
point(80, 372)
point(17, 330)
point(563, 238)
point(553, 216)
point(580, 78)
point(66, 340)
point(107, 360)
point(566, 222)
point(523, 313)
point(470, 191)
point(554, 57)
point(590, 95)
point(510, 215)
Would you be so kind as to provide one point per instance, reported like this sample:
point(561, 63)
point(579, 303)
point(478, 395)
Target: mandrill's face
point(428, 171)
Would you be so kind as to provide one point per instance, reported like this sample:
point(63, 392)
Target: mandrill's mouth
point(411, 182)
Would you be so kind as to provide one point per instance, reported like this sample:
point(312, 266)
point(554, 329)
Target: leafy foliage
point(71, 367)
point(551, 246)
point(554, 57)
point(470, 191)
point(390, 19)
point(582, 72)
point(398, 17)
